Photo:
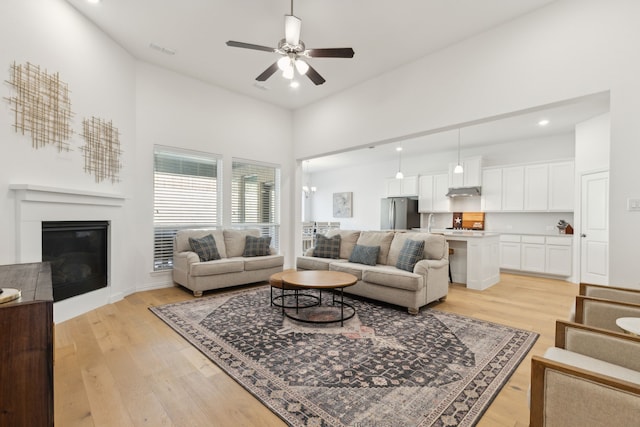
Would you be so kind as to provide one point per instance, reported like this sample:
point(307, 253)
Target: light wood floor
point(120, 365)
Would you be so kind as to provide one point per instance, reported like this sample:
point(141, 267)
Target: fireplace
point(77, 251)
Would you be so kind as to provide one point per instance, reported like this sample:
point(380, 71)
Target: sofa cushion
point(411, 253)
point(377, 238)
point(315, 263)
point(348, 239)
point(263, 262)
point(365, 254)
point(434, 245)
point(256, 246)
point(393, 277)
point(349, 267)
point(327, 247)
point(234, 240)
point(181, 241)
point(205, 247)
point(220, 266)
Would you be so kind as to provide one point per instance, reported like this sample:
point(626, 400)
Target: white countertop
point(459, 233)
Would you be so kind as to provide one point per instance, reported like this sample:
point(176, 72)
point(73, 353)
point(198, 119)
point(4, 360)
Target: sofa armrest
point(424, 265)
point(182, 260)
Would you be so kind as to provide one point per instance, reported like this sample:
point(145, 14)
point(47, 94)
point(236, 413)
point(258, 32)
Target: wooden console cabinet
point(26, 347)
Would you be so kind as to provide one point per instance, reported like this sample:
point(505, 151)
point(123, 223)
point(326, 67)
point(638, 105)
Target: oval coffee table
point(312, 279)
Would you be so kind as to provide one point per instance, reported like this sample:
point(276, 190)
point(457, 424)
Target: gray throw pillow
point(365, 254)
point(205, 247)
point(410, 254)
point(327, 247)
point(257, 246)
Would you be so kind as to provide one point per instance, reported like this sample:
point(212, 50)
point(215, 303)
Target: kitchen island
point(476, 258)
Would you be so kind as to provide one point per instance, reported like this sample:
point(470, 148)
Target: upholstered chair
point(590, 378)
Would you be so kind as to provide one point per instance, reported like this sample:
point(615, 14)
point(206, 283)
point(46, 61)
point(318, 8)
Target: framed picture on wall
point(343, 205)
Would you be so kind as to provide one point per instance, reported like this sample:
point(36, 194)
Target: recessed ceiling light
point(398, 148)
point(543, 122)
point(294, 84)
point(93, 1)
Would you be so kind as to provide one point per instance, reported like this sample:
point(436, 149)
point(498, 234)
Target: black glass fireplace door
point(77, 251)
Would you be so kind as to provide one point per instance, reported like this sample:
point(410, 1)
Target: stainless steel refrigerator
point(399, 213)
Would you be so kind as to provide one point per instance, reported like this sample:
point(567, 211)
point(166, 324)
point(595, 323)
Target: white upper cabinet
point(542, 187)
point(425, 198)
point(440, 190)
point(433, 193)
point(536, 182)
point(405, 187)
point(471, 175)
point(491, 199)
point(561, 185)
point(513, 188)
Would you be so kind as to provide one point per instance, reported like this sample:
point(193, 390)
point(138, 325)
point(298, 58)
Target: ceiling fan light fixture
point(301, 66)
point(284, 63)
point(288, 72)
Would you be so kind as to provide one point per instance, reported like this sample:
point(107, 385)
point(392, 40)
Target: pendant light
point(458, 168)
point(399, 175)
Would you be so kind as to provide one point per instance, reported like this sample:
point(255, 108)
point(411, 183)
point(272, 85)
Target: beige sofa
point(429, 280)
point(230, 270)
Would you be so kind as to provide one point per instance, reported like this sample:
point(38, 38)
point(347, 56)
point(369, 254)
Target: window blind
point(255, 198)
point(185, 196)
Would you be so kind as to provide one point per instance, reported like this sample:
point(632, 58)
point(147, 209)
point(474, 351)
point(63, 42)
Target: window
point(255, 198)
point(185, 195)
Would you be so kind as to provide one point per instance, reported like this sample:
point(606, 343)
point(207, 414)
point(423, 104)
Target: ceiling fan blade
point(292, 26)
point(268, 72)
point(338, 52)
point(314, 76)
point(250, 46)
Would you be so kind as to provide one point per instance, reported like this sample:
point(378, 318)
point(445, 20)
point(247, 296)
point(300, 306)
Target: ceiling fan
point(294, 53)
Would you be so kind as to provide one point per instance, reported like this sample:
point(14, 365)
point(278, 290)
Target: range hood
point(463, 192)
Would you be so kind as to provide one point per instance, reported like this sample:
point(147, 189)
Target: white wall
point(101, 79)
point(148, 106)
point(177, 111)
point(568, 49)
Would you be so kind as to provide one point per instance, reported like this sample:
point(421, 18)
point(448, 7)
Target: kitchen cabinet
point(561, 186)
point(536, 182)
point(491, 199)
point(433, 193)
point(543, 187)
point(471, 175)
point(532, 254)
point(513, 188)
point(558, 256)
point(537, 254)
point(405, 187)
point(510, 252)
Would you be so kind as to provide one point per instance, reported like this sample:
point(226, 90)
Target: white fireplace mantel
point(38, 203)
point(41, 193)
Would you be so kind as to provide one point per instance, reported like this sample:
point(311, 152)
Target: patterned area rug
point(385, 367)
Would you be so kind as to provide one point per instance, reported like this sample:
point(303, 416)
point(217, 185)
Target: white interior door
point(594, 244)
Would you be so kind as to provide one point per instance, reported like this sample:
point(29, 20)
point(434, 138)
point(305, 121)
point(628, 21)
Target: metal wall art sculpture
point(102, 149)
point(41, 106)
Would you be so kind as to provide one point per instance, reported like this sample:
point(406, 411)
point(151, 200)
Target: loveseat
point(205, 259)
point(388, 276)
